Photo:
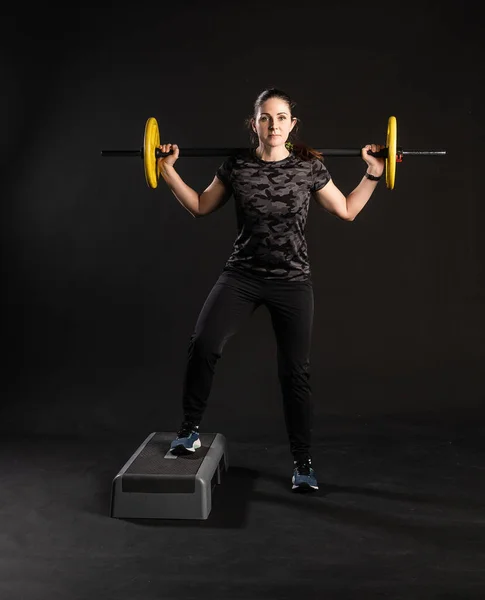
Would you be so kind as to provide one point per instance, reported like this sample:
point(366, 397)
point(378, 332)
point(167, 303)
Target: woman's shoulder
point(309, 163)
point(238, 157)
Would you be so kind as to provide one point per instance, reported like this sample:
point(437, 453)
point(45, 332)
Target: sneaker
point(304, 479)
point(187, 439)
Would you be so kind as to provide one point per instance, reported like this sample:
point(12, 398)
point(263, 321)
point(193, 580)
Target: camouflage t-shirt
point(272, 201)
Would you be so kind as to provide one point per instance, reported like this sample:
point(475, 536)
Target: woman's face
point(273, 122)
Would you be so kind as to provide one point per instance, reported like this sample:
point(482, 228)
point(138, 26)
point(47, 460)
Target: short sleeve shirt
point(272, 202)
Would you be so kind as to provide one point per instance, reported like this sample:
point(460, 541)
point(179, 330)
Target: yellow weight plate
point(391, 143)
point(150, 143)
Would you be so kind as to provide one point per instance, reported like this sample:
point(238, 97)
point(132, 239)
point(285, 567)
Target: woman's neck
point(271, 153)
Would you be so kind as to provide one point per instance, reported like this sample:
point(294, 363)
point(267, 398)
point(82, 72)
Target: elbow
point(196, 212)
point(350, 216)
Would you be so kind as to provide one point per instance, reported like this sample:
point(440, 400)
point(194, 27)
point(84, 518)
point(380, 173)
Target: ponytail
point(303, 151)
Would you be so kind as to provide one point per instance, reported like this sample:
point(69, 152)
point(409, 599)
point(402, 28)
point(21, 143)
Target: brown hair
point(293, 144)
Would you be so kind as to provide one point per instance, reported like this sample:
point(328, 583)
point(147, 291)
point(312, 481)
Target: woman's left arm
point(347, 208)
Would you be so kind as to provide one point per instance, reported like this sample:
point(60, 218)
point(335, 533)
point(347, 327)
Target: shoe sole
point(180, 450)
point(303, 486)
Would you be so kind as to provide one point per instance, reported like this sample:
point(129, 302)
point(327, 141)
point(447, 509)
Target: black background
point(104, 277)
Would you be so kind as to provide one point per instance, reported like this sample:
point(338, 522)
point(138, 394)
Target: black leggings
point(233, 298)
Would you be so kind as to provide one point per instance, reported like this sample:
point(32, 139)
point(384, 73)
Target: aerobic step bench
point(154, 484)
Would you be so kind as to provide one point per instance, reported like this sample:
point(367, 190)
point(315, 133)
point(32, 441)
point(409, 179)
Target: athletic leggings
point(234, 297)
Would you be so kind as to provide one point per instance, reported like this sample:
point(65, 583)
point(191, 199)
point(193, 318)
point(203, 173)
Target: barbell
point(150, 152)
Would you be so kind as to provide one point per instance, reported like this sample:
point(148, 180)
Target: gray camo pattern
point(272, 201)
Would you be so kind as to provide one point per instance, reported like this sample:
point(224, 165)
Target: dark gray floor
point(400, 514)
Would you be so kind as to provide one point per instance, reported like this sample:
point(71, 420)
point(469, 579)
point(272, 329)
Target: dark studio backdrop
point(103, 278)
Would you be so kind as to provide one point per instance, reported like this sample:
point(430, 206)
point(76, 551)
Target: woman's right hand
point(171, 158)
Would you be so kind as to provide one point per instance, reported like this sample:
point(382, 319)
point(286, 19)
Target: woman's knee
point(204, 345)
point(294, 371)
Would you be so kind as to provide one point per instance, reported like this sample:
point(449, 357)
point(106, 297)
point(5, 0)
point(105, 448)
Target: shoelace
point(186, 429)
point(303, 467)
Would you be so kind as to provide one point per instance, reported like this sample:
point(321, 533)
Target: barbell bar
point(150, 152)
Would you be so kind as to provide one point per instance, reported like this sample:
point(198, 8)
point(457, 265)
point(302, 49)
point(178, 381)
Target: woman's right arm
point(212, 198)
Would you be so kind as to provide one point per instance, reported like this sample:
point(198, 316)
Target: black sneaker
point(187, 439)
point(304, 479)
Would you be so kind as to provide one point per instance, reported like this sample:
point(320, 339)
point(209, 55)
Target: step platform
point(154, 484)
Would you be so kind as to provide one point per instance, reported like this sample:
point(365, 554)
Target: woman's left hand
point(376, 165)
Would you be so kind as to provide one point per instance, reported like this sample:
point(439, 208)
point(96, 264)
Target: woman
point(271, 184)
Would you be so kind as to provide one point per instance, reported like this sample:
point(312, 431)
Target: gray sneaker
point(187, 440)
point(304, 479)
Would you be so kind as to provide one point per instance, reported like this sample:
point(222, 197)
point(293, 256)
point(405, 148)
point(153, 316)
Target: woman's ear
point(253, 125)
